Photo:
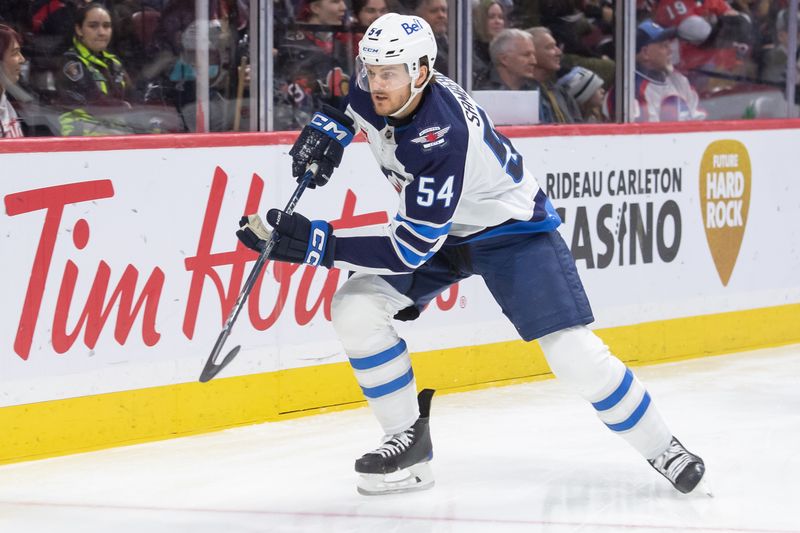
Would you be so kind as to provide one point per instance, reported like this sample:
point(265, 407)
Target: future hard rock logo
point(725, 185)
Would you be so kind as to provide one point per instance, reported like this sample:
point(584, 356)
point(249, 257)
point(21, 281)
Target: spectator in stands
point(773, 67)
point(365, 12)
point(570, 26)
point(11, 61)
point(313, 63)
point(488, 20)
point(435, 13)
point(92, 83)
point(713, 37)
point(581, 40)
point(513, 60)
point(557, 106)
point(587, 89)
point(662, 93)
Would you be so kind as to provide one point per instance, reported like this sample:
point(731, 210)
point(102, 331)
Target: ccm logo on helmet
point(411, 28)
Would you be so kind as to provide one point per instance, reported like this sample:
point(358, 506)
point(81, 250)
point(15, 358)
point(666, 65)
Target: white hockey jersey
point(457, 177)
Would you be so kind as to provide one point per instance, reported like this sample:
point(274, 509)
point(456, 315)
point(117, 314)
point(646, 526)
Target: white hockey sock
point(579, 359)
point(387, 380)
point(362, 316)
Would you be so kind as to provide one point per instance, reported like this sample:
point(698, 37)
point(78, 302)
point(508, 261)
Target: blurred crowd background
point(77, 68)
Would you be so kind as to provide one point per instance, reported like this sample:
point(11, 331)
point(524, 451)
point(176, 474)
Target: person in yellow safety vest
point(92, 83)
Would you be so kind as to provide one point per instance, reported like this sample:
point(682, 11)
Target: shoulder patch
point(431, 137)
point(73, 70)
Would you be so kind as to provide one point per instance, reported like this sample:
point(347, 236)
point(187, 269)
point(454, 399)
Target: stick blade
point(211, 369)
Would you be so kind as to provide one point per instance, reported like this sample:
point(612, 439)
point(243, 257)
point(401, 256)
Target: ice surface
point(529, 457)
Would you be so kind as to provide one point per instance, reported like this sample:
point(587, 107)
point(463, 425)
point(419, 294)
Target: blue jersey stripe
point(410, 256)
point(424, 230)
point(516, 228)
point(635, 416)
point(615, 397)
point(543, 208)
point(372, 361)
point(402, 234)
point(388, 388)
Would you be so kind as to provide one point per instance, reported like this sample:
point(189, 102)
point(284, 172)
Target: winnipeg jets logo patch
point(431, 137)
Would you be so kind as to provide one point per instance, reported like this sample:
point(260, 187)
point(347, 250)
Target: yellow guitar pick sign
point(725, 177)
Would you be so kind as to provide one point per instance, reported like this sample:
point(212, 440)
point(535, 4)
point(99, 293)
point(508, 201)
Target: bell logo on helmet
point(411, 28)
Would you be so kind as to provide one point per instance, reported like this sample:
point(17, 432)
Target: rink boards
point(120, 265)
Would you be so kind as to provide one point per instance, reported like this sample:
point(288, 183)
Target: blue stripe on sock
point(366, 363)
point(617, 395)
point(634, 418)
point(388, 388)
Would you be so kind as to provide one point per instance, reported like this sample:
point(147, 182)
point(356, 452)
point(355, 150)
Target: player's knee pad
point(361, 313)
point(355, 317)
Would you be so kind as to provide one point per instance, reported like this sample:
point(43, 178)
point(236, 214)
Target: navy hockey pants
point(531, 276)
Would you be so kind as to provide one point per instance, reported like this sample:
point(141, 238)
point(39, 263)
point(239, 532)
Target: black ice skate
point(681, 467)
point(400, 464)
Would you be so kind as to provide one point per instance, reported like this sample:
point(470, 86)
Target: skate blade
point(414, 478)
point(705, 488)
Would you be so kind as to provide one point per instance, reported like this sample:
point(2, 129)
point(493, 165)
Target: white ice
point(530, 457)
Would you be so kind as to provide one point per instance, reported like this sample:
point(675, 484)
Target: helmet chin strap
point(414, 92)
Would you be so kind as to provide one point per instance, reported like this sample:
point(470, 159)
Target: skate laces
point(672, 462)
point(397, 444)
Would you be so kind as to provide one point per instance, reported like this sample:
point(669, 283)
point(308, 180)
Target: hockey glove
point(322, 141)
point(298, 240)
point(253, 233)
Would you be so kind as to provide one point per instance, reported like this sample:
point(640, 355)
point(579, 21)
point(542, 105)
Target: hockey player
point(467, 206)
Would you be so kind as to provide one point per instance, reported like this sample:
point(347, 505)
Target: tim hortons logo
point(725, 184)
point(96, 308)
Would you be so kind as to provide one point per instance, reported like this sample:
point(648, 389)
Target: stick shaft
point(212, 367)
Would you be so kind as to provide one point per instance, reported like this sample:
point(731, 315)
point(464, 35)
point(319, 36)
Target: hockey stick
point(213, 367)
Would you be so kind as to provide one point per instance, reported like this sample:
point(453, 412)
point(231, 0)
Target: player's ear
point(422, 76)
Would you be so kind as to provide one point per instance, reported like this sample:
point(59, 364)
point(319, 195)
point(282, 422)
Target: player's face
point(389, 86)
point(548, 54)
point(372, 11)
point(95, 32)
point(12, 62)
point(521, 59)
point(495, 20)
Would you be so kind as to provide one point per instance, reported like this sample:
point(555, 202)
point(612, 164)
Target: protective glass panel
point(130, 68)
point(562, 51)
point(314, 54)
point(713, 60)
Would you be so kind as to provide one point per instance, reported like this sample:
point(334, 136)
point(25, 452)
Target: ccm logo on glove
point(316, 244)
point(332, 128)
point(322, 141)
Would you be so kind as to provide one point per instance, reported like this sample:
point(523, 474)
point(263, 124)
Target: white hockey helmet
point(395, 39)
